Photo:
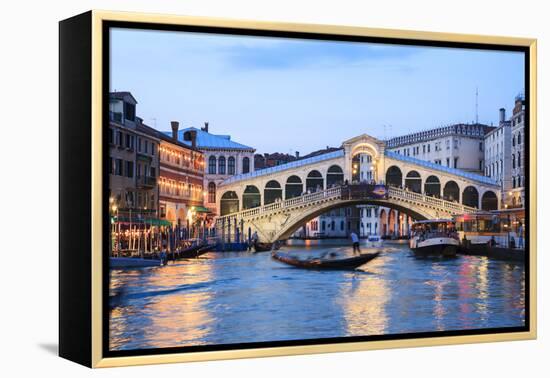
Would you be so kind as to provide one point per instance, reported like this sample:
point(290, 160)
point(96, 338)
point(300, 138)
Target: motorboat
point(436, 237)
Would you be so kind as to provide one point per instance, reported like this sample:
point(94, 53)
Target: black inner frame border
point(107, 25)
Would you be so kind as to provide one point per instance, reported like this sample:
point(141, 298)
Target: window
point(153, 172)
point(221, 165)
point(428, 147)
point(513, 182)
point(212, 165)
point(513, 161)
point(118, 167)
point(110, 165)
point(519, 160)
point(111, 136)
point(246, 165)
point(129, 111)
point(323, 225)
point(519, 138)
point(423, 148)
point(146, 146)
point(119, 138)
point(231, 165)
point(130, 169)
point(153, 149)
point(341, 225)
point(448, 162)
point(212, 192)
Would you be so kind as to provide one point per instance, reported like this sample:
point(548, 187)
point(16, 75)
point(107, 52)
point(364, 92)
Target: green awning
point(152, 222)
point(200, 209)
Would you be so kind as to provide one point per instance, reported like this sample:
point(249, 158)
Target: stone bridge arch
point(296, 220)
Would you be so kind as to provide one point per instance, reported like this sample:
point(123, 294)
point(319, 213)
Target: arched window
point(314, 181)
point(513, 182)
point(231, 165)
point(489, 201)
point(212, 192)
point(212, 165)
point(470, 197)
point(519, 160)
point(293, 187)
point(513, 161)
point(519, 138)
point(272, 192)
point(394, 177)
point(335, 176)
point(221, 165)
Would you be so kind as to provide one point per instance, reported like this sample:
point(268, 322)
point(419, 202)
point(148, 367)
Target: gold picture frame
point(92, 23)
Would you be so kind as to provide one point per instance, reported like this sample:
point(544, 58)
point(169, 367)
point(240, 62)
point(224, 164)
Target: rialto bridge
point(276, 201)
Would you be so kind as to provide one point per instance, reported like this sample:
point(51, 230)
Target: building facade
point(223, 158)
point(517, 192)
point(458, 146)
point(181, 178)
point(133, 159)
point(498, 152)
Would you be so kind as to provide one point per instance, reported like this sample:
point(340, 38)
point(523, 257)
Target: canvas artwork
point(280, 190)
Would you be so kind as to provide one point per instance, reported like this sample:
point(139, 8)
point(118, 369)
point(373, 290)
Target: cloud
point(307, 54)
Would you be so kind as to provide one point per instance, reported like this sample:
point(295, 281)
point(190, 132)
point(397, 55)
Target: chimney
point(206, 126)
point(502, 113)
point(297, 154)
point(175, 127)
point(193, 138)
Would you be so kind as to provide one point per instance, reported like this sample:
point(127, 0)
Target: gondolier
point(355, 241)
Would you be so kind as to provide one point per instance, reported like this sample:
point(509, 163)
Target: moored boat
point(133, 262)
point(435, 237)
point(325, 263)
point(189, 252)
point(262, 247)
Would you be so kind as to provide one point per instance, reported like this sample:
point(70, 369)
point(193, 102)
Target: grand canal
point(241, 297)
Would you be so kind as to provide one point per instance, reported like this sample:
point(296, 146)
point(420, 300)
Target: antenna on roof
point(477, 107)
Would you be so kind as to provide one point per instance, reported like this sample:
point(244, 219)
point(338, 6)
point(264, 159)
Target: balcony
point(146, 182)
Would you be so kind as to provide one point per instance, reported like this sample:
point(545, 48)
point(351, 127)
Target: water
point(240, 297)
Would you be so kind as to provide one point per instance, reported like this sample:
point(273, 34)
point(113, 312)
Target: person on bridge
point(355, 241)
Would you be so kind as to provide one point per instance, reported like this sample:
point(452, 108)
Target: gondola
point(325, 263)
point(196, 251)
point(262, 247)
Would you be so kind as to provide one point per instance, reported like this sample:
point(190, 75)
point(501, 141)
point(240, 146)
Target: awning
point(136, 221)
point(200, 209)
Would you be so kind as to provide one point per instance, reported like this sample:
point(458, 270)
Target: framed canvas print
point(235, 189)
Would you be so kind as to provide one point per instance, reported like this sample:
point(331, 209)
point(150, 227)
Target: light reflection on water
point(240, 297)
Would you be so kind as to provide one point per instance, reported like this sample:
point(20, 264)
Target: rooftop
point(283, 167)
point(454, 171)
point(474, 130)
point(161, 135)
point(206, 140)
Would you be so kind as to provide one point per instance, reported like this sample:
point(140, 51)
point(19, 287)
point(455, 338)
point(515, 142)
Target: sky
point(287, 95)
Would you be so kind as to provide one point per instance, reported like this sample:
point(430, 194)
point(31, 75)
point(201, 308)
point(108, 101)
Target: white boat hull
point(436, 246)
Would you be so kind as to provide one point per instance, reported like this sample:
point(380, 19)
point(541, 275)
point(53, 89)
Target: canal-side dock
point(495, 252)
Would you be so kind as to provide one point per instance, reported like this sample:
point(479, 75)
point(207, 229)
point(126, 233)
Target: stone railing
point(332, 194)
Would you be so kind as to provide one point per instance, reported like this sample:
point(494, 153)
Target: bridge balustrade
point(337, 193)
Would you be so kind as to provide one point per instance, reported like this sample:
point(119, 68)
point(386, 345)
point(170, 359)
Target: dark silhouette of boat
point(325, 263)
point(262, 247)
point(196, 251)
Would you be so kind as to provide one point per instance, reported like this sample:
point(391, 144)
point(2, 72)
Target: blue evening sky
point(290, 95)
